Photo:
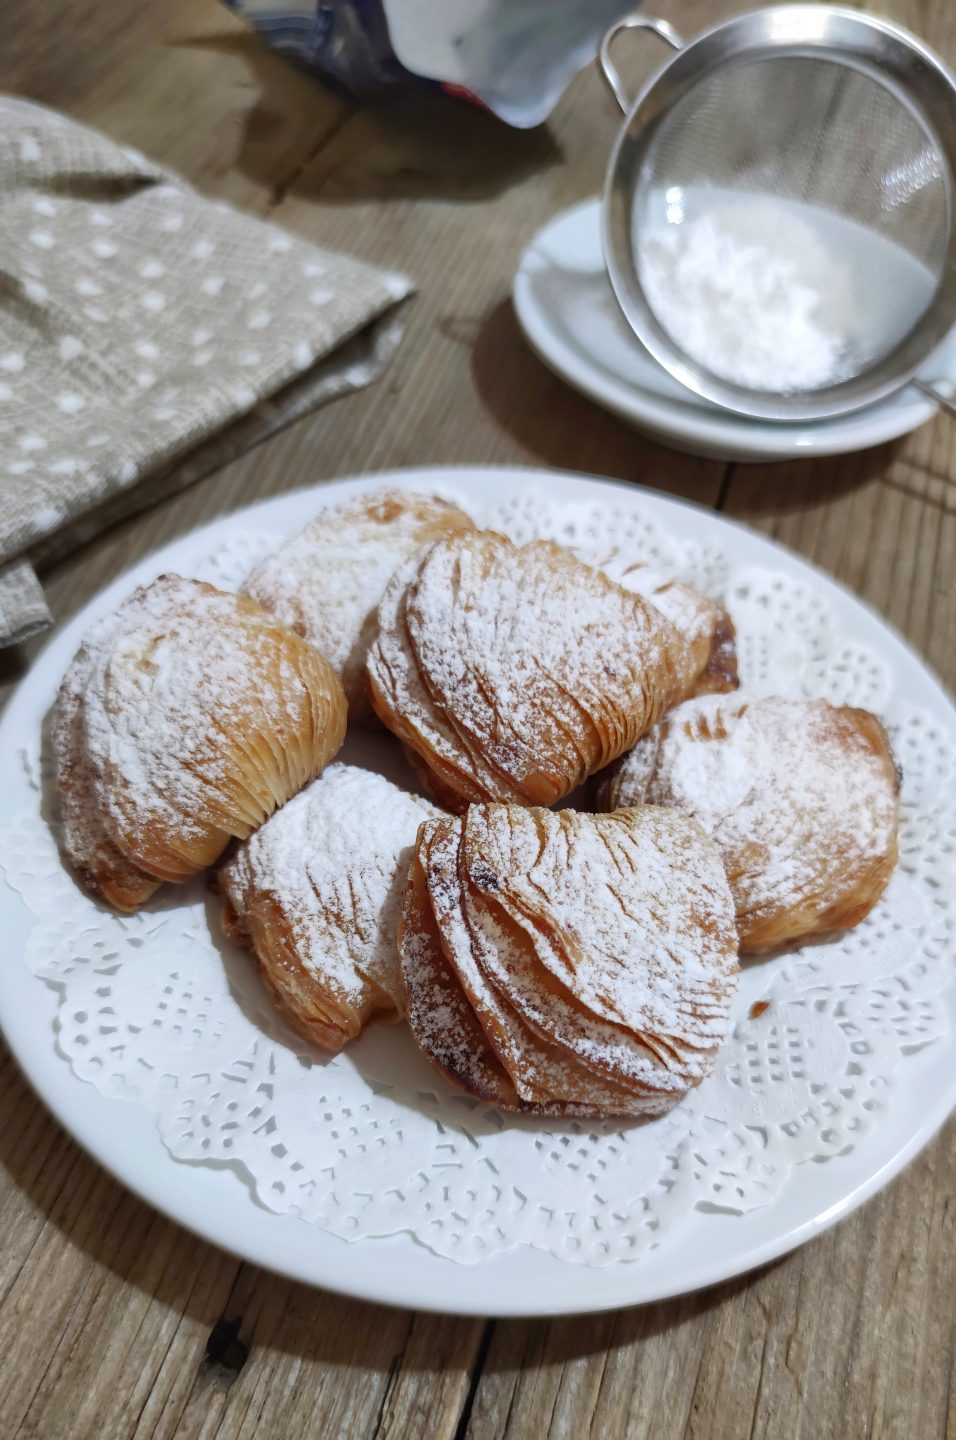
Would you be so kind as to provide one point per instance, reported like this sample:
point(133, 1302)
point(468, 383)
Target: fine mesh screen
point(782, 142)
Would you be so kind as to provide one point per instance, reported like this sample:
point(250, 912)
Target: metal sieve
point(839, 119)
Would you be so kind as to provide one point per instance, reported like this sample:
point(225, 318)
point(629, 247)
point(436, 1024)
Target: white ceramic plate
point(567, 310)
point(214, 1201)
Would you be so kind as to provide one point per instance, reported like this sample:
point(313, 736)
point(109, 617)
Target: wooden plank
point(431, 190)
point(333, 1367)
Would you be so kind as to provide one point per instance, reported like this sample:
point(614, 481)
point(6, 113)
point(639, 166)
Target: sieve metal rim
point(900, 62)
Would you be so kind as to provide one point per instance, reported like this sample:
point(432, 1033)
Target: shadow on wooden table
point(574, 1337)
point(802, 486)
point(14, 664)
point(421, 147)
point(566, 430)
point(411, 145)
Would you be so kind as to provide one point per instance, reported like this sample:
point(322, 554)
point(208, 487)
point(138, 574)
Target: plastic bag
point(514, 56)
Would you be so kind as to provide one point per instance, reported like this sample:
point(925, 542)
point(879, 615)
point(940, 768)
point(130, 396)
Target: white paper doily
point(158, 1009)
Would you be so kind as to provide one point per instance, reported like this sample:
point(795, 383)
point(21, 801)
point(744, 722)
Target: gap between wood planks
point(484, 1345)
point(281, 189)
point(724, 489)
point(393, 1372)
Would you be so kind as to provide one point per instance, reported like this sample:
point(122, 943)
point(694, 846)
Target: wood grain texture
point(113, 1321)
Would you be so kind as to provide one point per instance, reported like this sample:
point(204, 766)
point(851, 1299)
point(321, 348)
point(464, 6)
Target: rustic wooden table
point(113, 1321)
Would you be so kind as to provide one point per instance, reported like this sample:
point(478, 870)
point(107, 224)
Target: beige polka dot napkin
point(146, 336)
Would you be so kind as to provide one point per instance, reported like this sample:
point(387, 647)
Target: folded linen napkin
point(146, 336)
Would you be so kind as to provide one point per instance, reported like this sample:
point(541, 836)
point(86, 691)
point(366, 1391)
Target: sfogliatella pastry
point(316, 895)
point(706, 626)
point(568, 963)
point(513, 673)
point(184, 720)
point(800, 796)
point(326, 582)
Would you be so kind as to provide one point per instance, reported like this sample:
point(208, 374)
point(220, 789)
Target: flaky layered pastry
point(513, 673)
point(184, 720)
point(316, 895)
point(568, 963)
point(326, 582)
point(800, 796)
point(705, 626)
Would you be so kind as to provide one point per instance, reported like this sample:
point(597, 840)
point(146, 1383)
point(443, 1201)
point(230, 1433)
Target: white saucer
point(569, 315)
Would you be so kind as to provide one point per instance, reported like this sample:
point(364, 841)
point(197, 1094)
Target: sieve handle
point(661, 28)
point(942, 402)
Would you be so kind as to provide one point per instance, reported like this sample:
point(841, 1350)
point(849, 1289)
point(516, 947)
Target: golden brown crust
point(720, 674)
point(447, 1027)
point(460, 1049)
point(186, 717)
point(514, 673)
point(326, 582)
point(800, 796)
point(316, 895)
point(705, 626)
point(568, 964)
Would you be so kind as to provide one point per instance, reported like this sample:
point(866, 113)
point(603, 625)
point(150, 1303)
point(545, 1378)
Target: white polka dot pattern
point(142, 322)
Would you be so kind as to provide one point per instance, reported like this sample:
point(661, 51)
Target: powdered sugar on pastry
point(103, 868)
point(439, 1015)
point(541, 1071)
point(317, 893)
point(597, 954)
point(629, 930)
point(517, 672)
point(189, 716)
point(409, 711)
point(327, 581)
point(705, 625)
point(688, 609)
point(800, 797)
